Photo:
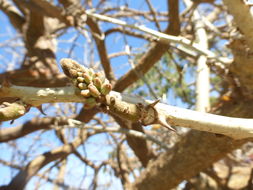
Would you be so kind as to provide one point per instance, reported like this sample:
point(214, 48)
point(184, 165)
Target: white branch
point(162, 37)
point(37, 96)
point(203, 71)
point(236, 128)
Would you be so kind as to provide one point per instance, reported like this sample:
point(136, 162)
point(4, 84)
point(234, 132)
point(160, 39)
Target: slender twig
point(79, 124)
point(162, 37)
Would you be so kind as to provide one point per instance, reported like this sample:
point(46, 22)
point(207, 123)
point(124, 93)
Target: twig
point(75, 123)
point(162, 37)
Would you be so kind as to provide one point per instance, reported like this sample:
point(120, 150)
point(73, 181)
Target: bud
point(79, 74)
point(82, 86)
point(97, 82)
point(73, 73)
point(80, 79)
point(106, 88)
point(102, 77)
point(93, 91)
point(91, 72)
point(87, 78)
point(85, 93)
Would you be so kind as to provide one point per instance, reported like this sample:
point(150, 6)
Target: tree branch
point(243, 18)
point(14, 16)
point(7, 134)
point(128, 107)
point(22, 178)
point(161, 37)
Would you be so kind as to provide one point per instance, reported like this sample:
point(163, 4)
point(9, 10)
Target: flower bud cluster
point(92, 85)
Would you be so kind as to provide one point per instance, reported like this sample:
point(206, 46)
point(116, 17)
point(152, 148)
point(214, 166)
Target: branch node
point(149, 115)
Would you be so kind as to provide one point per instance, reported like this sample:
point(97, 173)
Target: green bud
point(101, 76)
point(79, 74)
point(97, 82)
point(89, 106)
point(91, 72)
point(90, 100)
point(82, 86)
point(106, 88)
point(80, 79)
point(93, 91)
point(87, 78)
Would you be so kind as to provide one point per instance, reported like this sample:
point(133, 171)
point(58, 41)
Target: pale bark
point(162, 37)
point(236, 128)
point(203, 71)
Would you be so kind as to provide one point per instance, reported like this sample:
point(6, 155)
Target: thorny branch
point(133, 108)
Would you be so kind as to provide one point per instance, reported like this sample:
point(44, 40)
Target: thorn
point(154, 103)
point(40, 109)
point(162, 121)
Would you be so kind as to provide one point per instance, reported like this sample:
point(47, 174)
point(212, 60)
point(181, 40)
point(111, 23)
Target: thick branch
point(128, 107)
point(243, 18)
point(14, 16)
point(37, 96)
point(194, 153)
point(100, 42)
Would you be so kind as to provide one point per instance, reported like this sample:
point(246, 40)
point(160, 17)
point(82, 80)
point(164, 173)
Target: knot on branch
point(93, 86)
point(149, 115)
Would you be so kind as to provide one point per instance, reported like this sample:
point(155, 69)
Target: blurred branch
point(202, 71)
point(7, 134)
point(13, 14)
point(130, 33)
point(154, 14)
point(100, 42)
point(22, 178)
point(140, 146)
point(161, 37)
point(78, 124)
point(243, 18)
point(61, 173)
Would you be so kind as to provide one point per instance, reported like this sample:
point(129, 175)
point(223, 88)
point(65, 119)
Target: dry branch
point(162, 37)
point(132, 108)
